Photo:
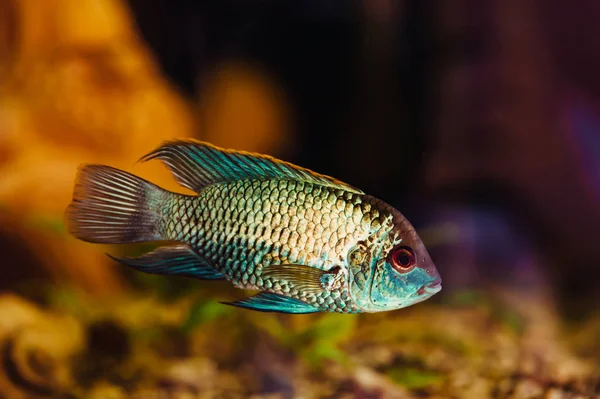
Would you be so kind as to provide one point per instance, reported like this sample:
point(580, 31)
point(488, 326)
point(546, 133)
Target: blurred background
point(479, 120)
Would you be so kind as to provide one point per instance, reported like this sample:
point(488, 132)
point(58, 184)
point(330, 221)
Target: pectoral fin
point(175, 260)
point(269, 302)
point(304, 278)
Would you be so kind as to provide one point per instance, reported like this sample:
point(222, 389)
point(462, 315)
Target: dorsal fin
point(197, 164)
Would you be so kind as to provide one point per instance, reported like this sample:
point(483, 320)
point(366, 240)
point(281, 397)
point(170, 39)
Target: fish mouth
point(430, 289)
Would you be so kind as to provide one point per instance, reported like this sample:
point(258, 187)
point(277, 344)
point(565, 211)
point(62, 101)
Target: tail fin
point(111, 206)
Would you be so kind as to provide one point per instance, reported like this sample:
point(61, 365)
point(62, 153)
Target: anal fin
point(270, 302)
point(172, 260)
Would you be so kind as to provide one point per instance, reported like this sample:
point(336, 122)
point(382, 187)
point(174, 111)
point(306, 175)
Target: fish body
point(306, 241)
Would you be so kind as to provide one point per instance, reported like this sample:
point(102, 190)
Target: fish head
point(394, 271)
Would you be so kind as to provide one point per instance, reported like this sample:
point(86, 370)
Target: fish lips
point(430, 288)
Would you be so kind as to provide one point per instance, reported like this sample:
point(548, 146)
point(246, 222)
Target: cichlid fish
point(307, 241)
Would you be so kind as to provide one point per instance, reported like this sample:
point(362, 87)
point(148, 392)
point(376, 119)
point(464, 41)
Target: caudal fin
point(111, 206)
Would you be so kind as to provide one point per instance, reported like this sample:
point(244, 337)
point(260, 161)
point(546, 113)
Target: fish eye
point(403, 259)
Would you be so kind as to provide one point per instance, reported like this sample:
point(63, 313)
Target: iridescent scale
point(243, 226)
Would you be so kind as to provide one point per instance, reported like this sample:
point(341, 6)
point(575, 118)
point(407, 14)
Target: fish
point(305, 241)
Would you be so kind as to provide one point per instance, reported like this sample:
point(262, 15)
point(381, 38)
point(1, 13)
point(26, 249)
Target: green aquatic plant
point(415, 378)
point(314, 339)
point(201, 312)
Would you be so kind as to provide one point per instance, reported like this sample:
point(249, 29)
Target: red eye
point(403, 259)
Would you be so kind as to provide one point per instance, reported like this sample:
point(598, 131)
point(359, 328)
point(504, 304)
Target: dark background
point(473, 108)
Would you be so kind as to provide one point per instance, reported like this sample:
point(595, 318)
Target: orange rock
point(80, 88)
point(242, 107)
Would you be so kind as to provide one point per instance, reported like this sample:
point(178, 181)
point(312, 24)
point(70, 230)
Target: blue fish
point(308, 242)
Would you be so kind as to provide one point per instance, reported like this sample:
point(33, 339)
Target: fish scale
point(285, 212)
point(307, 241)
